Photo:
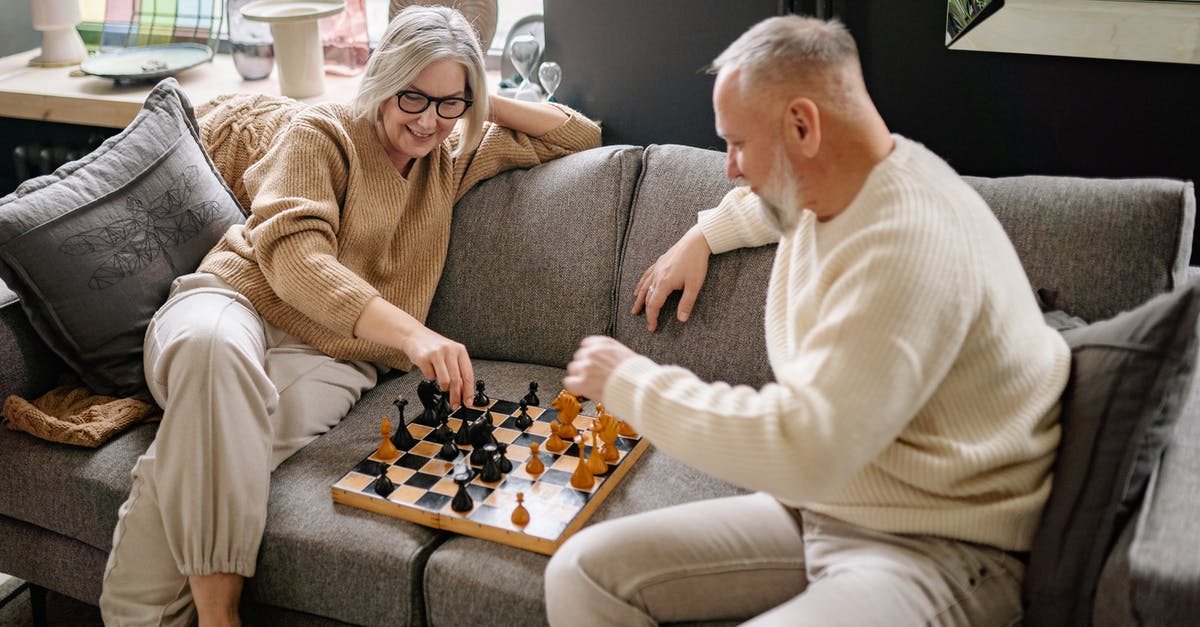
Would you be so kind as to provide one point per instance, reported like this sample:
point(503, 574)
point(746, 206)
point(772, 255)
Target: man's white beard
point(780, 197)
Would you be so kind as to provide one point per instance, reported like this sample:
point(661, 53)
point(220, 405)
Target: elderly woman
point(284, 324)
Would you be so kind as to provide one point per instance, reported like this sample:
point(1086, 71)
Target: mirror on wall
point(1135, 30)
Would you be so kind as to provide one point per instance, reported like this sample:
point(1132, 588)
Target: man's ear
point(804, 125)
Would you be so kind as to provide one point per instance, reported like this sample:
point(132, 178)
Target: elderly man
point(901, 458)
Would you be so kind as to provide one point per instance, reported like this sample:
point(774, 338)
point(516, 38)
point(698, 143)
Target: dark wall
point(636, 66)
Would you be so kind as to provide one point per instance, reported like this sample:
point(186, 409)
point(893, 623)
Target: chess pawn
point(595, 460)
point(462, 501)
point(582, 478)
point(524, 421)
point(502, 459)
point(383, 484)
point(481, 399)
point(520, 515)
point(534, 466)
point(555, 443)
point(386, 449)
point(449, 451)
point(491, 465)
point(531, 399)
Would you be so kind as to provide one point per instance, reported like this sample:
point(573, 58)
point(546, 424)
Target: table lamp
point(61, 43)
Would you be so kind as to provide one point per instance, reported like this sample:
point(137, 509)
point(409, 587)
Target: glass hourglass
point(524, 51)
point(550, 75)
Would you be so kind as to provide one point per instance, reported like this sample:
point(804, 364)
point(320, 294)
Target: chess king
point(190, 530)
point(899, 462)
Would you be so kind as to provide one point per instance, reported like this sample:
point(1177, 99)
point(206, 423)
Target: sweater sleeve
point(736, 222)
point(298, 188)
point(891, 322)
point(505, 149)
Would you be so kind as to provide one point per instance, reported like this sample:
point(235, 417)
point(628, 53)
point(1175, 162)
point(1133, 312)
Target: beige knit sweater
point(916, 386)
point(333, 224)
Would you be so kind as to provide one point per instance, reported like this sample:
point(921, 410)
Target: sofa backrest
point(532, 257)
point(724, 339)
point(1105, 245)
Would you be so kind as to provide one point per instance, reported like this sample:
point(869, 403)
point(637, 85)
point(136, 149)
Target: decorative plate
point(139, 63)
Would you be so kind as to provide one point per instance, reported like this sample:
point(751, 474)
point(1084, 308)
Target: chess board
point(424, 485)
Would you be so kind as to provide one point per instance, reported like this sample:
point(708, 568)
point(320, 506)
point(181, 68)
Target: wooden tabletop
point(64, 95)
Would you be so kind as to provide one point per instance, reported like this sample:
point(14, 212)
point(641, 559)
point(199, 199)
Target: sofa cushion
point(1152, 577)
point(532, 257)
point(92, 248)
point(724, 338)
point(1104, 245)
point(1129, 378)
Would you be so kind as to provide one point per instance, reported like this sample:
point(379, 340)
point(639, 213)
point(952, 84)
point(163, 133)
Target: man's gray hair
point(790, 49)
point(417, 37)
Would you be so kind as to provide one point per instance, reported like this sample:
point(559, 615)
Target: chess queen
point(281, 329)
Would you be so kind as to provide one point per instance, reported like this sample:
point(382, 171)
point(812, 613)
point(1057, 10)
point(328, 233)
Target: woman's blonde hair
point(417, 37)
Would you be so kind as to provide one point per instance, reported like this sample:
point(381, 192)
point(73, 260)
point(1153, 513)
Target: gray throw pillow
point(1129, 380)
point(92, 248)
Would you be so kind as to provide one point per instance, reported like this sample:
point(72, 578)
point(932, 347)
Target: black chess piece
point(480, 436)
point(491, 465)
point(462, 437)
point(524, 421)
point(462, 501)
point(449, 452)
point(402, 438)
point(481, 399)
point(384, 485)
point(427, 393)
point(502, 453)
point(531, 399)
point(443, 406)
point(443, 433)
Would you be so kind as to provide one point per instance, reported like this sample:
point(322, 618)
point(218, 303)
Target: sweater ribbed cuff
point(576, 132)
point(621, 392)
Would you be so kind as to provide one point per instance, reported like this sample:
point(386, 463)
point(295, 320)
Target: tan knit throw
point(73, 414)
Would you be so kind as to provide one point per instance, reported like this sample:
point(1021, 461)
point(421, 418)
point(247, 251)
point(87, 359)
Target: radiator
point(34, 159)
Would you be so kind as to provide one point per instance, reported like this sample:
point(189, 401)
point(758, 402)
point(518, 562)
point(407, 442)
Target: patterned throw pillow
point(92, 248)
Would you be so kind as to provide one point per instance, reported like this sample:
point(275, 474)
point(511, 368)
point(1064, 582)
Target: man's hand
point(684, 266)
point(595, 360)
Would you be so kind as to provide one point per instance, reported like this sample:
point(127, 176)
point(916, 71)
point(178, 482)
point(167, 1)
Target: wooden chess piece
point(608, 427)
point(520, 515)
point(555, 443)
point(568, 408)
point(625, 430)
point(531, 399)
point(502, 457)
point(449, 451)
point(595, 460)
point(524, 420)
point(462, 501)
point(582, 478)
point(534, 466)
point(386, 449)
point(491, 465)
point(481, 399)
point(383, 484)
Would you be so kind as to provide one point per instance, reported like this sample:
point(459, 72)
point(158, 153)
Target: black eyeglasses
point(451, 108)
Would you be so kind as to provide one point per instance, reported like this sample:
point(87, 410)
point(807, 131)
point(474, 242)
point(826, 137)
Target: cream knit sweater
point(917, 385)
point(334, 224)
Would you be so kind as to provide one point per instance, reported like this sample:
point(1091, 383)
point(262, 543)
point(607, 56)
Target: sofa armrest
point(27, 366)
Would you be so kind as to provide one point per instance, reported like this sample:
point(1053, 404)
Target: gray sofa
point(539, 259)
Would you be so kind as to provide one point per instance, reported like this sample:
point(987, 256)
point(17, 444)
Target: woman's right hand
point(443, 360)
point(440, 359)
